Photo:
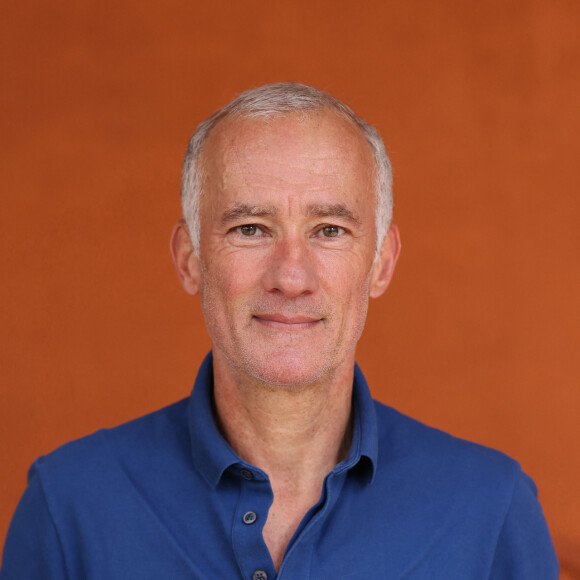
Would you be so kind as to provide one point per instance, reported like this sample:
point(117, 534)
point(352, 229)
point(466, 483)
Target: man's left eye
point(331, 231)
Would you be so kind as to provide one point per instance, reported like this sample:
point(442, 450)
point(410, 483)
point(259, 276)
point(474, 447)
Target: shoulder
point(97, 457)
point(94, 486)
point(445, 466)
point(407, 439)
point(472, 495)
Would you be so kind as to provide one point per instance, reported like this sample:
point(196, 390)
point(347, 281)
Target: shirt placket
point(298, 556)
point(250, 515)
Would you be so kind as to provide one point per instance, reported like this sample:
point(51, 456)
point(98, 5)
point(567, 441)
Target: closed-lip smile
point(288, 322)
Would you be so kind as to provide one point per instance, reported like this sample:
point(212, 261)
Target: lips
point(288, 323)
point(285, 319)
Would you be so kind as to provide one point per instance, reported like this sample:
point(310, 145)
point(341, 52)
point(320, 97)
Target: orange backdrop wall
point(478, 104)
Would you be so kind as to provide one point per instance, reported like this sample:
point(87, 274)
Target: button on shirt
point(165, 496)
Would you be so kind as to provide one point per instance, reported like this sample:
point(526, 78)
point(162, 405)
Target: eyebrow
point(334, 210)
point(241, 210)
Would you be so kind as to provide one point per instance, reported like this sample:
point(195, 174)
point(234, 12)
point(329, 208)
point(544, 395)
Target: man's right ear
point(184, 258)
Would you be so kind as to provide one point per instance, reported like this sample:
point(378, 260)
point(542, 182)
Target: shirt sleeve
point(33, 550)
point(524, 550)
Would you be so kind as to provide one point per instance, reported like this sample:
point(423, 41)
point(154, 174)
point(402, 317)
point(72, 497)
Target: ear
point(384, 265)
point(184, 258)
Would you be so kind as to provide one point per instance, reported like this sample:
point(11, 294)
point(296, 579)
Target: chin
point(290, 371)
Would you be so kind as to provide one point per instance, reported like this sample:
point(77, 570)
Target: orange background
point(478, 103)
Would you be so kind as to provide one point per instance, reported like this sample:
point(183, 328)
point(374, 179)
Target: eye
point(248, 230)
point(331, 231)
point(249, 235)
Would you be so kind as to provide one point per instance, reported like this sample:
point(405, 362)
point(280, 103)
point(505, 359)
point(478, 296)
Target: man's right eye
point(248, 230)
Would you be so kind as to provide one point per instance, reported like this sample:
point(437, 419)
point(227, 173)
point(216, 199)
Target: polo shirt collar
point(212, 455)
point(365, 438)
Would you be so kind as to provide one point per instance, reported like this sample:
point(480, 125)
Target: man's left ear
point(384, 265)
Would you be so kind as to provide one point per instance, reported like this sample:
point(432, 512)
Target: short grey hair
point(272, 100)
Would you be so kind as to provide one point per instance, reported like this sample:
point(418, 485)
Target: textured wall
point(478, 105)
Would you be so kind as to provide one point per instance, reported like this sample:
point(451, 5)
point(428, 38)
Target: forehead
point(314, 150)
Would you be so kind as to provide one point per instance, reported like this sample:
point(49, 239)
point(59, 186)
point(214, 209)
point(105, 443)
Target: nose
point(291, 271)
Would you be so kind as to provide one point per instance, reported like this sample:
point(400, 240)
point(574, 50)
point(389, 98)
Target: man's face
point(287, 245)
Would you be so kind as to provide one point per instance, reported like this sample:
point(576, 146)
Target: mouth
point(295, 322)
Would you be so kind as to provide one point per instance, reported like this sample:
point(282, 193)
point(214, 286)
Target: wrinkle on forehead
point(291, 155)
point(321, 142)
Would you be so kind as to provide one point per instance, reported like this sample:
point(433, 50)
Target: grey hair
point(279, 99)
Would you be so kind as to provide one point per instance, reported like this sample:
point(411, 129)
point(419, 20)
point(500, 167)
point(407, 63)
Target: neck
point(294, 434)
point(298, 432)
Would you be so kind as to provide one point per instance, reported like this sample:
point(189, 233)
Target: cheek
point(228, 279)
point(238, 277)
point(343, 276)
point(349, 289)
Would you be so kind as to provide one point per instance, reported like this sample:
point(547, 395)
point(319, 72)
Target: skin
point(285, 271)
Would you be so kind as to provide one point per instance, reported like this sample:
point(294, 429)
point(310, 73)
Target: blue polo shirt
point(165, 497)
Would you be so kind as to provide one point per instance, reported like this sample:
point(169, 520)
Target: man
point(280, 465)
